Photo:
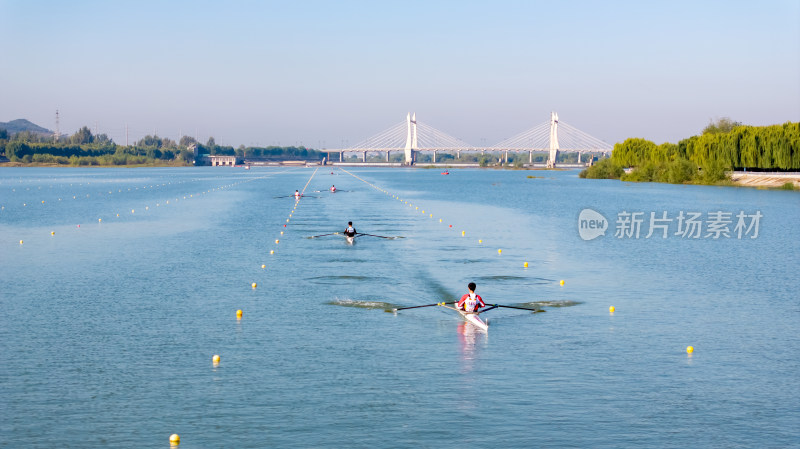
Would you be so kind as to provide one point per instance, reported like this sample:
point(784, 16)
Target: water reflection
point(469, 336)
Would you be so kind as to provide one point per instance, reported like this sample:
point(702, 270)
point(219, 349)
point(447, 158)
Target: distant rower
point(333, 188)
point(297, 194)
point(350, 231)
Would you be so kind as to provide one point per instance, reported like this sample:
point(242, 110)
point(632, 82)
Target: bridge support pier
point(434, 156)
point(387, 156)
point(340, 155)
point(364, 156)
point(579, 157)
point(458, 154)
point(530, 157)
point(505, 156)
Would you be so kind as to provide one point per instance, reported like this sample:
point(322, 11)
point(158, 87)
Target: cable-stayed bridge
point(413, 137)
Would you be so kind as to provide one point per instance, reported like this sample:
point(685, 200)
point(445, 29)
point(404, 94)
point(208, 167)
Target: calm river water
point(127, 282)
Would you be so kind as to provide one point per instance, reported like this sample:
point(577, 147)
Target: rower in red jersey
point(470, 302)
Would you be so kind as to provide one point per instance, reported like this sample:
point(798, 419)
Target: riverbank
point(769, 180)
point(51, 164)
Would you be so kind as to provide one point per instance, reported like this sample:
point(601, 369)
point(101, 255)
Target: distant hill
point(19, 125)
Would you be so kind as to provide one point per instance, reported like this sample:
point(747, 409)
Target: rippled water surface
point(127, 282)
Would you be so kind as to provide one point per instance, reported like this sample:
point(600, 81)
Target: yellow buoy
point(463, 233)
point(525, 265)
point(132, 211)
point(42, 201)
point(174, 439)
point(611, 309)
point(20, 242)
point(440, 220)
point(99, 220)
point(52, 232)
point(272, 251)
point(499, 251)
point(254, 285)
point(263, 266)
point(281, 232)
point(690, 349)
point(562, 282)
point(480, 241)
point(117, 215)
point(239, 313)
point(215, 359)
point(277, 241)
point(431, 215)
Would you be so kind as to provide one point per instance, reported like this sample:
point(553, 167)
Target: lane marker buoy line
point(76, 196)
point(285, 227)
point(481, 242)
point(216, 358)
point(162, 203)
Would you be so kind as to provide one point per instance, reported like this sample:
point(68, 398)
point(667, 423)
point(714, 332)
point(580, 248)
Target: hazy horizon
point(324, 74)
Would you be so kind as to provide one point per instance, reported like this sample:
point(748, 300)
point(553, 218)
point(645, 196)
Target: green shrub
point(604, 169)
point(643, 173)
point(680, 171)
point(713, 172)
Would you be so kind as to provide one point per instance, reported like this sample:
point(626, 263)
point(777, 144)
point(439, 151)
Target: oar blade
point(519, 308)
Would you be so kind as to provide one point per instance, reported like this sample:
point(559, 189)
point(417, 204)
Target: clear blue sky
point(306, 72)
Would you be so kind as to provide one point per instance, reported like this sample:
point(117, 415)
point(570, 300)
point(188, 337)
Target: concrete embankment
point(750, 179)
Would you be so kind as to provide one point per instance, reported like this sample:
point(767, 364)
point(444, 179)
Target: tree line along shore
point(709, 158)
point(86, 149)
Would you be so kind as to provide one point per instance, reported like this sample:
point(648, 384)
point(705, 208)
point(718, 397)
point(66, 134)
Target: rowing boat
point(350, 239)
point(472, 318)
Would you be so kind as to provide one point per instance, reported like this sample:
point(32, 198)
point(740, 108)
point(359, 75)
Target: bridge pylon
point(551, 162)
point(411, 138)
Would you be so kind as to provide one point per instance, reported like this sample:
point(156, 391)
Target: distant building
point(218, 160)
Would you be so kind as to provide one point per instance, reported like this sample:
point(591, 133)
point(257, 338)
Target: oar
point(381, 236)
point(426, 305)
point(510, 307)
point(322, 235)
point(488, 309)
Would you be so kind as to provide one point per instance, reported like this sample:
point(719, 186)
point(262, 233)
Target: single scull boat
point(471, 317)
